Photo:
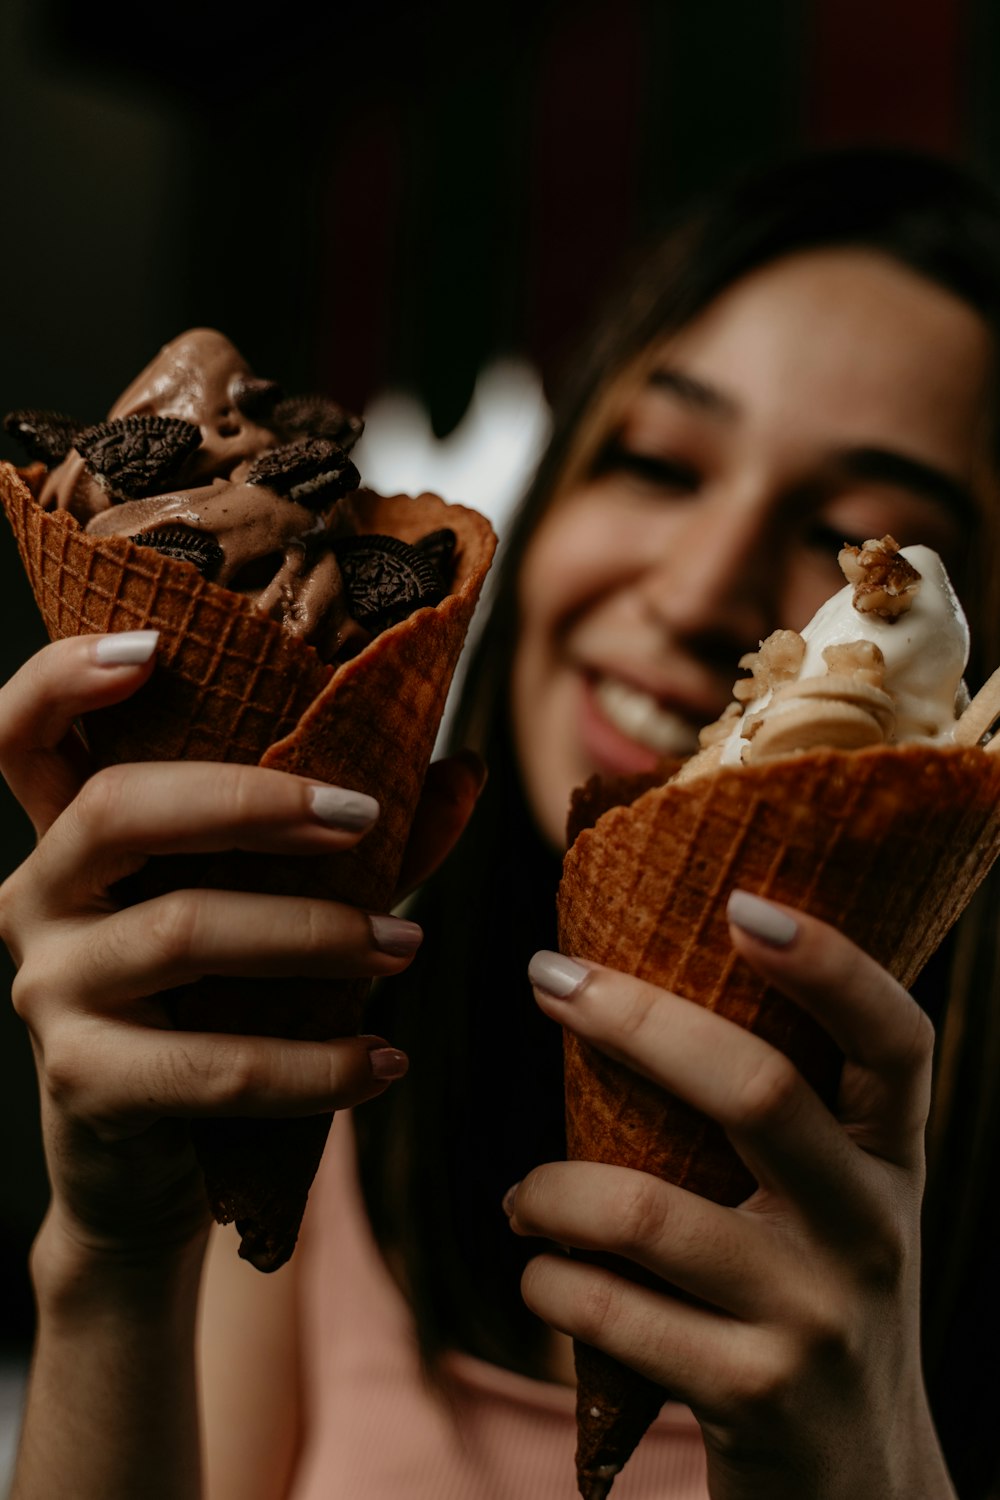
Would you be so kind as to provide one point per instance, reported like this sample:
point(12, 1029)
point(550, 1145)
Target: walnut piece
point(860, 659)
point(884, 582)
point(777, 660)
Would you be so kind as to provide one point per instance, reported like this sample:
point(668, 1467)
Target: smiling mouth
point(642, 718)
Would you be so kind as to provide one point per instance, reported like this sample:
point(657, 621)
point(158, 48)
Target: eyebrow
point(886, 466)
point(879, 465)
point(694, 392)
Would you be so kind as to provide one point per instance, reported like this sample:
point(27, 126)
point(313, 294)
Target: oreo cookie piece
point(386, 579)
point(132, 457)
point(313, 472)
point(44, 435)
point(439, 548)
point(317, 416)
point(185, 545)
point(256, 398)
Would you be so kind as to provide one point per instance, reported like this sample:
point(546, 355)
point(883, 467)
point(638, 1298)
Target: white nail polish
point(760, 919)
point(557, 975)
point(126, 648)
point(339, 808)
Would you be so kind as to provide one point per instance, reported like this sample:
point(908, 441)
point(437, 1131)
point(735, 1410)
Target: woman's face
point(829, 397)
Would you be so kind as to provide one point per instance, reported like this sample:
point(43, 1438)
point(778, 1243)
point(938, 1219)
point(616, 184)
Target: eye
point(828, 539)
point(652, 471)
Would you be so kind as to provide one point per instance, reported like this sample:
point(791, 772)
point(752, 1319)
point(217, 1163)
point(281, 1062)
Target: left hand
point(801, 1358)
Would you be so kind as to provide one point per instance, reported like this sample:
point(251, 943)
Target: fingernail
point(393, 935)
point(386, 1062)
point(760, 919)
point(508, 1200)
point(126, 648)
point(338, 808)
point(557, 975)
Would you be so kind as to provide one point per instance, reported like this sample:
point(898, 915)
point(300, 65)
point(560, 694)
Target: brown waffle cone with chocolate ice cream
point(886, 844)
point(231, 685)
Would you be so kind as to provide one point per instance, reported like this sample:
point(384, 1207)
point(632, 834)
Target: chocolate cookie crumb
point(317, 416)
point(45, 435)
point(132, 457)
point(256, 398)
point(439, 548)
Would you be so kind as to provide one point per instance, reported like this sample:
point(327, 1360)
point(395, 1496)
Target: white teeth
point(638, 715)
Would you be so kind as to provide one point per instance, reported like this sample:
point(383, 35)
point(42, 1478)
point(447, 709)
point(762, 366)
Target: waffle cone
point(231, 685)
point(886, 844)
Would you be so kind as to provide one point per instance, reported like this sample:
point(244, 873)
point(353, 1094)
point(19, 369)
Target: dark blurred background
point(391, 196)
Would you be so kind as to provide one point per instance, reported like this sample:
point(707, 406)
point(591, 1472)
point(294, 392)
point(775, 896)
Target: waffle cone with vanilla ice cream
point(850, 780)
point(305, 625)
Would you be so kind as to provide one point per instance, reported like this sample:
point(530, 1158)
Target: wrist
point(112, 1407)
point(922, 1473)
point(74, 1270)
point(897, 1457)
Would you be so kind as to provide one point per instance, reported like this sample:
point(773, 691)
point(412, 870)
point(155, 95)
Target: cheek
point(577, 555)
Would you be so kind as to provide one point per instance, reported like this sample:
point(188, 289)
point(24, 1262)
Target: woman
point(809, 360)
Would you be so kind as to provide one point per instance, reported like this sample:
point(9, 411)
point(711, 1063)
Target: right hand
point(799, 1319)
point(117, 1082)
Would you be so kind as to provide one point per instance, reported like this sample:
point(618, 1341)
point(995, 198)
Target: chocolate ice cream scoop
point(207, 463)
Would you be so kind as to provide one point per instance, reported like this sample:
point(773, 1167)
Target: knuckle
point(635, 1012)
point(227, 1084)
point(595, 1311)
point(764, 1381)
point(99, 799)
point(918, 1050)
point(314, 934)
point(7, 740)
point(768, 1097)
point(13, 692)
point(637, 1213)
point(26, 992)
point(10, 906)
point(907, 1049)
point(63, 1072)
point(824, 1340)
point(246, 792)
point(171, 925)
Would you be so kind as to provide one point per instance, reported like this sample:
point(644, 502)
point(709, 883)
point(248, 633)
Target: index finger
point(42, 758)
point(781, 1129)
point(886, 1039)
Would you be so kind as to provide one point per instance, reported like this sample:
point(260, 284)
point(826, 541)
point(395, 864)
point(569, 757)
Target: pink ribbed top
point(374, 1431)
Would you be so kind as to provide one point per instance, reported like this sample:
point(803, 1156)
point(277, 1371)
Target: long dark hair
point(482, 1102)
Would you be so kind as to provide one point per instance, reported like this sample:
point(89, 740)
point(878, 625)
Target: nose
point(714, 581)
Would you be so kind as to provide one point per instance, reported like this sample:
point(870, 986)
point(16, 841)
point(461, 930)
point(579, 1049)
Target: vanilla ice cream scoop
point(925, 648)
point(881, 662)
